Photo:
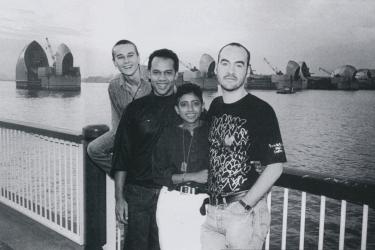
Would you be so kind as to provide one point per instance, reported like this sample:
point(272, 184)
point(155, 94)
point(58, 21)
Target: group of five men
point(218, 149)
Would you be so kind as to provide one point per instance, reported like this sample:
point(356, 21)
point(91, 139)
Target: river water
point(329, 132)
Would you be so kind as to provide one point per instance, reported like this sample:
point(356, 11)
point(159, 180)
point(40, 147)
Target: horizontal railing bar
point(356, 192)
point(58, 133)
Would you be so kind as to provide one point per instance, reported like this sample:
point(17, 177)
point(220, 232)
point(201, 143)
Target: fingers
point(120, 216)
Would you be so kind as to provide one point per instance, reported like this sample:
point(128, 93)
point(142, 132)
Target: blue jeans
point(142, 228)
point(100, 151)
point(232, 227)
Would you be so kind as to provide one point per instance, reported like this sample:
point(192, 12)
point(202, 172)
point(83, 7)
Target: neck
point(190, 126)
point(134, 79)
point(233, 96)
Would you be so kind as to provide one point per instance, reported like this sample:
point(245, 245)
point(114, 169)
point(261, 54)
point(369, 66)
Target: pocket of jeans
point(237, 208)
point(262, 220)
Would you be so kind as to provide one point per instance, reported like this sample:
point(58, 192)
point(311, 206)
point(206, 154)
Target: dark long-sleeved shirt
point(140, 127)
point(169, 153)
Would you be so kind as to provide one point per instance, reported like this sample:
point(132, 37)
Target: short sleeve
point(270, 144)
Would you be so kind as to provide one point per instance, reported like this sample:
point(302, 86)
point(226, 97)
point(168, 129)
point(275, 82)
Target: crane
point(275, 69)
point(324, 70)
point(49, 48)
point(188, 66)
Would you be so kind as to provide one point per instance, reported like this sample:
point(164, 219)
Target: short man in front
point(243, 131)
point(130, 84)
point(138, 132)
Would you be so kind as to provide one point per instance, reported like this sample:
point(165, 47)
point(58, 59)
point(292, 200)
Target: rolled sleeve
point(121, 154)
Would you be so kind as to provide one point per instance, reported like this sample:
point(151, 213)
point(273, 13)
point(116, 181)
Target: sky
point(323, 33)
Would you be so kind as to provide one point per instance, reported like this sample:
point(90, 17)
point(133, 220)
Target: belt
point(187, 189)
point(224, 200)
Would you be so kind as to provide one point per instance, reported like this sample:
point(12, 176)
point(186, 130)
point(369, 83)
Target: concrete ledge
point(20, 232)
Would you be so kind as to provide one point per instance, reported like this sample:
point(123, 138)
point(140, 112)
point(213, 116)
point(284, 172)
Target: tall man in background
point(243, 129)
point(138, 132)
point(131, 83)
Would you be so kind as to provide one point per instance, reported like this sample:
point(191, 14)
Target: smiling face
point(126, 59)
point(163, 76)
point(189, 108)
point(232, 68)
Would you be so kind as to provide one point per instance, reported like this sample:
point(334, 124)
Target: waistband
point(224, 200)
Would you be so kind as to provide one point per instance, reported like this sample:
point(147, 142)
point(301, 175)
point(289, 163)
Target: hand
point(122, 211)
point(200, 176)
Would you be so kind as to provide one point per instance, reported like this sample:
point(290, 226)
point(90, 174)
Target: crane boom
point(324, 70)
point(50, 50)
point(275, 69)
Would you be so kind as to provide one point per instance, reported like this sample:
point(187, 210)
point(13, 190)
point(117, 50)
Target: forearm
point(265, 181)
point(180, 178)
point(120, 177)
point(199, 176)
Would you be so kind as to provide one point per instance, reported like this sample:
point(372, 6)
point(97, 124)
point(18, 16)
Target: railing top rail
point(58, 133)
point(341, 189)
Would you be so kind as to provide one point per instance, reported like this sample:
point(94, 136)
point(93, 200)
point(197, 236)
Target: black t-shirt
point(140, 127)
point(241, 134)
point(170, 153)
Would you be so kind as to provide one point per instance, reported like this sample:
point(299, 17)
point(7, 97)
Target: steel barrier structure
point(46, 175)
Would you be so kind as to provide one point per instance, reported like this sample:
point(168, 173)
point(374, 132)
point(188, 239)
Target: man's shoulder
point(141, 102)
point(115, 80)
point(258, 103)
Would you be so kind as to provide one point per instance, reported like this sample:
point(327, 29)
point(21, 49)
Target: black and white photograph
point(187, 125)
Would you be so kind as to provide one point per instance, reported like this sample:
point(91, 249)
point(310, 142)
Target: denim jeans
point(142, 229)
point(232, 227)
point(100, 151)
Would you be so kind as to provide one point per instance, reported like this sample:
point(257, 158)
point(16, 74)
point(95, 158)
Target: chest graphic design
point(229, 147)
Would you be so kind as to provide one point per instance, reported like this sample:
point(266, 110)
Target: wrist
point(246, 206)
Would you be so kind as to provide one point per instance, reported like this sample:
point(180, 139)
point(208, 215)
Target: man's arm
point(264, 182)
point(115, 116)
point(121, 204)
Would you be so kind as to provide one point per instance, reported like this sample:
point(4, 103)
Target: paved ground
point(18, 232)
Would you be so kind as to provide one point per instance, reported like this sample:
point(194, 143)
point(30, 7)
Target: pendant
point(183, 166)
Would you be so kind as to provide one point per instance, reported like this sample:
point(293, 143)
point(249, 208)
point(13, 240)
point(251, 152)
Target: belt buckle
point(219, 200)
point(187, 190)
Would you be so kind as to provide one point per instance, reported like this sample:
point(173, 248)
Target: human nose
point(231, 69)
point(162, 76)
point(190, 107)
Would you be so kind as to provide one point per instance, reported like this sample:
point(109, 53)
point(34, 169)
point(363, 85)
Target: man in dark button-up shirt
point(138, 132)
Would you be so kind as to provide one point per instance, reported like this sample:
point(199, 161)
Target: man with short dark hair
point(243, 130)
point(131, 83)
point(138, 132)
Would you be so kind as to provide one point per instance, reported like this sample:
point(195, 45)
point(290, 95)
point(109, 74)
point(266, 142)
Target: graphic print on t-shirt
point(229, 140)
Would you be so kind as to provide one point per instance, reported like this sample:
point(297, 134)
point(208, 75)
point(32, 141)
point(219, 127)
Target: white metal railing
point(115, 233)
point(321, 222)
point(42, 177)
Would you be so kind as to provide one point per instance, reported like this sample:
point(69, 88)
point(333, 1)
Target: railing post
point(94, 192)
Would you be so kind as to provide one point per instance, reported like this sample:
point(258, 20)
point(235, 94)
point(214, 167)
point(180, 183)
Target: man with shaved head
point(243, 132)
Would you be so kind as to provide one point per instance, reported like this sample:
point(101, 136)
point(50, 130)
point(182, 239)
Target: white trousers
point(179, 220)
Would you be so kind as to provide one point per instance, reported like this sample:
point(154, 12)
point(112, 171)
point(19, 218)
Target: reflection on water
point(33, 93)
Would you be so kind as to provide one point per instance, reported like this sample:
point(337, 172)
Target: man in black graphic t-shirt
point(243, 131)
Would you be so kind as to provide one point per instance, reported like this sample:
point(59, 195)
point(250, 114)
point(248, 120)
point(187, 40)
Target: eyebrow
point(240, 62)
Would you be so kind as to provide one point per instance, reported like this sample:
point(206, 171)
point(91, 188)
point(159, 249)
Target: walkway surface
point(18, 232)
